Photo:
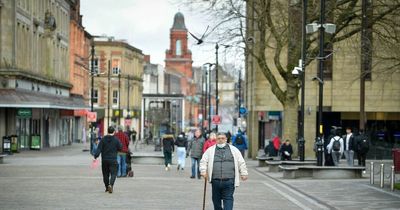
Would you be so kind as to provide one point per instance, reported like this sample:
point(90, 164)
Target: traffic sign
point(216, 119)
point(242, 110)
point(91, 116)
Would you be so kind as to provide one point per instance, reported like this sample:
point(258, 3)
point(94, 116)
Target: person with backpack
point(335, 148)
point(362, 145)
point(240, 142)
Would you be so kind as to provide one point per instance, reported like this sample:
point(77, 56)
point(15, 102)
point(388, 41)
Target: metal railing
point(382, 176)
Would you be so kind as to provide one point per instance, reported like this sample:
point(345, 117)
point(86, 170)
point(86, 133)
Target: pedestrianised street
point(61, 178)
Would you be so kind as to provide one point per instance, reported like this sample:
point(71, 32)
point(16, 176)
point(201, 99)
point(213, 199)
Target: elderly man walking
point(223, 165)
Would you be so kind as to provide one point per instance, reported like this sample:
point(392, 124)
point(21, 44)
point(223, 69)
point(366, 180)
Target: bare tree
point(270, 33)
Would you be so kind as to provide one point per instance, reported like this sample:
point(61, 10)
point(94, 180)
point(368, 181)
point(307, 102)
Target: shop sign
point(24, 113)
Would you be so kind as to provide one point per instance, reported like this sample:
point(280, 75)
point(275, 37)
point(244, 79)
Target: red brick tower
point(178, 61)
point(179, 57)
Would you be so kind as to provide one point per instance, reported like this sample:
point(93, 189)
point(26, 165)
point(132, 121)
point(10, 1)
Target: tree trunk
point(290, 116)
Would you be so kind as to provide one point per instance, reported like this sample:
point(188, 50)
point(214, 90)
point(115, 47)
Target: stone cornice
point(28, 75)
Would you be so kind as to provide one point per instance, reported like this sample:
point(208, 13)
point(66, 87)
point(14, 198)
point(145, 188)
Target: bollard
point(382, 176)
point(371, 174)
point(392, 178)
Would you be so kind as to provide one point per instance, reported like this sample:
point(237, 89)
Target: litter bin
point(396, 159)
point(14, 143)
point(7, 144)
point(35, 142)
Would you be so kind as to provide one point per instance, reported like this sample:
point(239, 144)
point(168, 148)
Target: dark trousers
point(361, 158)
point(167, 157)
point(222, 192)
point(109, 169)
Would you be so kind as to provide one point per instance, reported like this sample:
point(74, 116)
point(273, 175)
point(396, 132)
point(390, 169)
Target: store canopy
point(15, 98)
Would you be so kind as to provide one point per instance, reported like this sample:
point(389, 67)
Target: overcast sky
point(145, 24)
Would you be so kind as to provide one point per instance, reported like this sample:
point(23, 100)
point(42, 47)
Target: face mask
point(221, 145)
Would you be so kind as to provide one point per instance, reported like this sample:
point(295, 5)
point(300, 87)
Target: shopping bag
point(94, 164)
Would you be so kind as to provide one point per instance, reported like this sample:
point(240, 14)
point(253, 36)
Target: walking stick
point(204, 193)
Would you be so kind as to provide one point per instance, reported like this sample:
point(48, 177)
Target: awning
point(17, 98)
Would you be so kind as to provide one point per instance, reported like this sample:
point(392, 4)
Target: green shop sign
point(24, 113)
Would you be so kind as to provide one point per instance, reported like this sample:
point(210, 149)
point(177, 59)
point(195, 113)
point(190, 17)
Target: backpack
point(336, 145)
point(239, 140)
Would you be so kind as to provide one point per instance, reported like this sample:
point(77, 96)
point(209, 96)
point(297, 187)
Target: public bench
point(322, 172)
point(1, 157)
point(148, 158)
point(262, 159)
point(273, 165)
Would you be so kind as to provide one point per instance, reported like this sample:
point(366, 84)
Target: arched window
point(178, 47)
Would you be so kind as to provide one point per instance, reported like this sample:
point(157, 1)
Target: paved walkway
point(61, 179)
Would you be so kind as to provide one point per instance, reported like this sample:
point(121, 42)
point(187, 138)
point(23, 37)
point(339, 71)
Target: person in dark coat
point(362, 145)
point(109, 147)
point(168, 148)
point(286, 150)
point(328, 156)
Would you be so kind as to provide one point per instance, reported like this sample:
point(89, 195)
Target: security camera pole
point(300, 138)
point(320, 129)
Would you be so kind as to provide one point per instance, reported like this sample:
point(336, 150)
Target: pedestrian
point(229, 137)
point(195, 149)
point(286, 150)
point(108, 148)
point(349, 146)
point(328, 156)
point(121, 159)
point(240, 142)
point(223, 166)
point(168, 149)
point(362, 145)
point(336, 147)
point(210, 141)
point(133, 135)
point(181, 147)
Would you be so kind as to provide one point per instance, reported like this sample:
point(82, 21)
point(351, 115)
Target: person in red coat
point(124, 139)
point(210, 142)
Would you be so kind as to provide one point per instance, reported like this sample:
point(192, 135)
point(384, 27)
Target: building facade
point(35, 73)
point(118, 83)
point(80, 41)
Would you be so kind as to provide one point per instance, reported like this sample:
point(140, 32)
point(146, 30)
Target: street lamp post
point(108, 94)
point(129, 87)
point(119, 97)
point(92, 94)
point(209, 98)
point(216, 82)
point(300, 138)
point(321, 84)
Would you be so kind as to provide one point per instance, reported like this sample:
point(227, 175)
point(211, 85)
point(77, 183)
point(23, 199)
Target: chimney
point(147, 58)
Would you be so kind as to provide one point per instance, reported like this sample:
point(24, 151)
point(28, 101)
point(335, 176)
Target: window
point(115, 96)
point(96, 65)
point(178, 47)
point(95, 96)
point(115, 66)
